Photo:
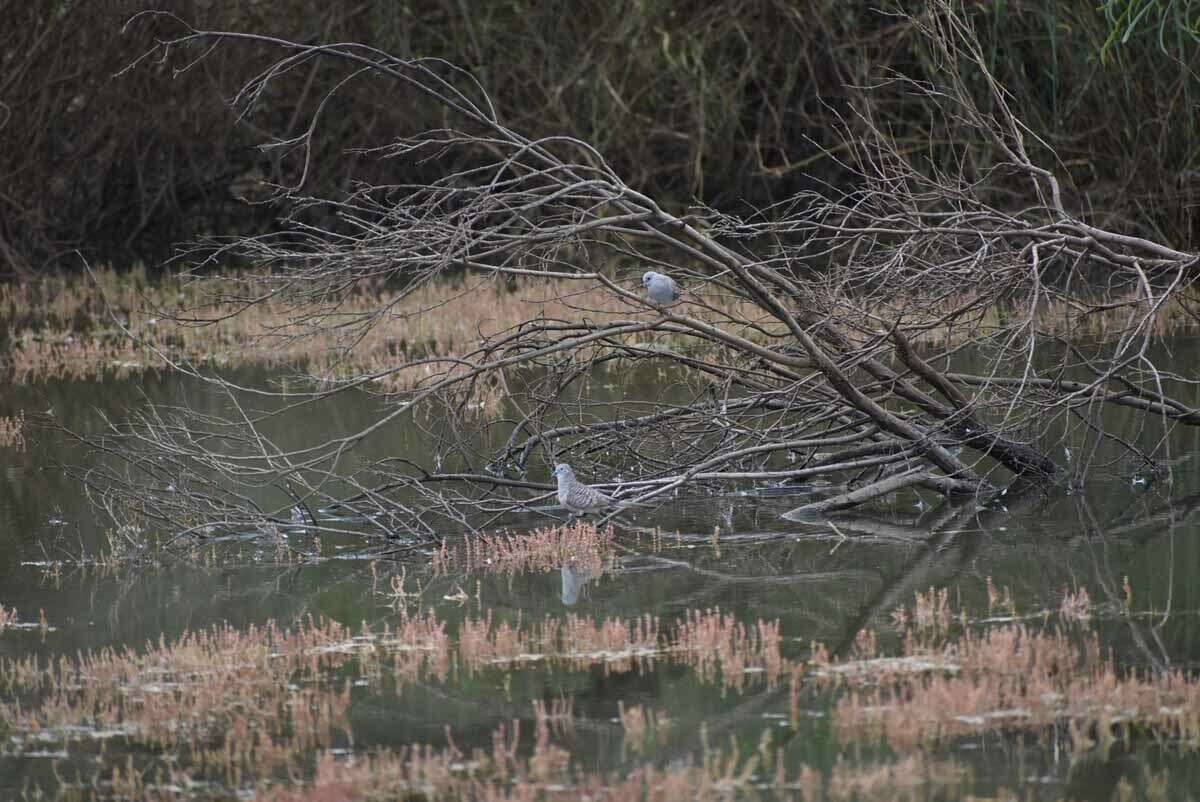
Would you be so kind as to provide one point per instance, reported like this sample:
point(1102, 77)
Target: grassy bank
point(114, 324)
point(117, 324)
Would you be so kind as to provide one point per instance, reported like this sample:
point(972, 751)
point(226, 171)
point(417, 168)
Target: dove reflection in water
point(574, 579)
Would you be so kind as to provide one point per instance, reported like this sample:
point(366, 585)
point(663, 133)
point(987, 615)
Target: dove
point(661, 288)
point(578, 497)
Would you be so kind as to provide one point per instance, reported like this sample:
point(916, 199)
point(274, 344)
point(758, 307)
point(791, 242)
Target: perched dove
point(578, 497)
point(661, 288)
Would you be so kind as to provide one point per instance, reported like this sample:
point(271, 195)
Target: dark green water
point(820, 586)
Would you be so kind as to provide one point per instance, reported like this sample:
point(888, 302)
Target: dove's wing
point(583, 497)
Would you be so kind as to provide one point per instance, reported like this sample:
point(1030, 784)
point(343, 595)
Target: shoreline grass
point(122, 324)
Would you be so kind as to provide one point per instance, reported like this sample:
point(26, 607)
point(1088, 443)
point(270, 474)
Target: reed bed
point(244, 708)
point(118, 325)
point(579, 545)
point(1005, 678)
point(213, 685)
point(719, 649)
point(237, 701)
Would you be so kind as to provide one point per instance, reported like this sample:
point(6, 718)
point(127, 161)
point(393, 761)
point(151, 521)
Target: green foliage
point(1175, 24)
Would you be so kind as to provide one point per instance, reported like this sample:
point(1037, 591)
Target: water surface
point(1121, 537)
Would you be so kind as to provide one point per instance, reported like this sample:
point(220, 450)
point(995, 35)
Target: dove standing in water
point(578, 497)
point(661, 288)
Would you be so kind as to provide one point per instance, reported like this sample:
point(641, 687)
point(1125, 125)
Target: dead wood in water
point(840, 357)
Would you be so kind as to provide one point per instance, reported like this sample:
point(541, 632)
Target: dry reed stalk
point(575, 642)
point(580, 545)
point(716, 646)
point(12, 431)
point(1001, 598)
point(551, 773)
point(419, 647)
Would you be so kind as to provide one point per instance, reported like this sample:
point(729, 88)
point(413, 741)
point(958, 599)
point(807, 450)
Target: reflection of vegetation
point(641, 725)
point(552, 773)
point(270, 708)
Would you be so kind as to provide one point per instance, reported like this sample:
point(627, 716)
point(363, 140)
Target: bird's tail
point(627, 504)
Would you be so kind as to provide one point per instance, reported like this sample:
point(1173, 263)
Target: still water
point(1121, 539)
